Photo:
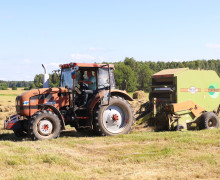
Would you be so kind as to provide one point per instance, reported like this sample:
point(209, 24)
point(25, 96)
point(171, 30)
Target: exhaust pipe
point(45, 78)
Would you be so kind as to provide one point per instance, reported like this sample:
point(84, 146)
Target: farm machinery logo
point(192, 90)
point(213, 90)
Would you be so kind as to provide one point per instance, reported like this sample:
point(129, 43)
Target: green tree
point(54, 80)
point(124, 72)
point(14, 88)
point(144, 76)
point(38, 80)
point(3, 86)
point(32, 86)
point(130, 62)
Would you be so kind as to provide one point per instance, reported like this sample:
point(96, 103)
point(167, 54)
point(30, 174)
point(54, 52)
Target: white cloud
point(100, 58)
point(82, 57)
point(96, 49)
point(27, 61)
point(212, 45)
point(53, 64)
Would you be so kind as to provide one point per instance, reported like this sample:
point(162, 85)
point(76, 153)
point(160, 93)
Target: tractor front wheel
point(20, 132)
point(44, 125)
point(209, 120)
point(116, 118)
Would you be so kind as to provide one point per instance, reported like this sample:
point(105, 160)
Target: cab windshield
point(66, 78)
point(103, 80)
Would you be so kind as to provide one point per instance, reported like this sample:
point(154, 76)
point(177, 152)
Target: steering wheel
point(83, 86)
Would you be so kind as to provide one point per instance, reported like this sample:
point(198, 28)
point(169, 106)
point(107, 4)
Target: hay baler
point(185, 99)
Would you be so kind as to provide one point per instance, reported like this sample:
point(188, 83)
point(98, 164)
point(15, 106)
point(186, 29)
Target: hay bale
point(139, 95)
point(11, 108)
point(2, 116)
point(2, 109)
point(6, 109)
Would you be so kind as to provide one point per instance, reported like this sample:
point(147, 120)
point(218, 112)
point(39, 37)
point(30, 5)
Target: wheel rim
point(114, 119)
point(212, 122)
point(45, 127)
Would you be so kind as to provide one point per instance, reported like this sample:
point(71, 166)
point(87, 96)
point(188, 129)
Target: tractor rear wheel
point(44, 125)
point(116, 118)
point(209, 120)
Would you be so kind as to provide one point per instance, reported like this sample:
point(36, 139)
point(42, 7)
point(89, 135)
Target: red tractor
point(43, 113)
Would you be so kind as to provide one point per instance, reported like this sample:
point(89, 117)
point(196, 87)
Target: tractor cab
point(81, 78)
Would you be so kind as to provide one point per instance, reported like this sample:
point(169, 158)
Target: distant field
point(139, 155)
point(7, 102)
point(12, 92)
point(7, 97)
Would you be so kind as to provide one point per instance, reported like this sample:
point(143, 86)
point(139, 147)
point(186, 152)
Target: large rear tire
point(209, 120)
point(116, 118)
point(44, 125)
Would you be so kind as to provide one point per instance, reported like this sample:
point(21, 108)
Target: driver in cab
point(91, 81)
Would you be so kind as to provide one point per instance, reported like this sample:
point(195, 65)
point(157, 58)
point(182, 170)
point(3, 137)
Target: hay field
point(139, 155)
point(7, 101)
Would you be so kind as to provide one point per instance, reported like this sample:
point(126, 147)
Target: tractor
point(43, 113)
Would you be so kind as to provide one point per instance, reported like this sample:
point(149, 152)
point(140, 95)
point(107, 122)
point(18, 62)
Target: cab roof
point(86, 65)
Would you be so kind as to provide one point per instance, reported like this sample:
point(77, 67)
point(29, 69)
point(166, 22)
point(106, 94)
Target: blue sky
point(53, 32)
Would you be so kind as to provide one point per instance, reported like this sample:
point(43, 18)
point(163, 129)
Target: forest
point(136, 73)
point(4, 85)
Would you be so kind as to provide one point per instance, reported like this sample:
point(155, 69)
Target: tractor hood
point(27, 102)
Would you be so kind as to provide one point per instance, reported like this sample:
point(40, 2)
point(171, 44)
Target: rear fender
point(100, 95)
point(56, 111)
point(123, 94)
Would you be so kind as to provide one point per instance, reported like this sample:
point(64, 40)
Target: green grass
point(9, 95)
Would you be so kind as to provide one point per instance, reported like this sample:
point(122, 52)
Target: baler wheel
point(179, 127)
point(209, 120)
point(116, 118)
point(44, 125)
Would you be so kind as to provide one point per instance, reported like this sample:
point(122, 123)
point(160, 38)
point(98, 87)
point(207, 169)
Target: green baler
point(185, 99)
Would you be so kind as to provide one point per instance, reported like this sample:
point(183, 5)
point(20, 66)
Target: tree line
point(136, 73)
point(4, 85)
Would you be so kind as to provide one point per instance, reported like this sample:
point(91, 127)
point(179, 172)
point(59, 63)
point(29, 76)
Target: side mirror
point(73, 74)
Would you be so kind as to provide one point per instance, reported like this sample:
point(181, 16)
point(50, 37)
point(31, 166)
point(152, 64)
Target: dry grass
point(7, 97)
point(139, 155)
point(7, 101)
point(142, 155)
point(12, 92)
